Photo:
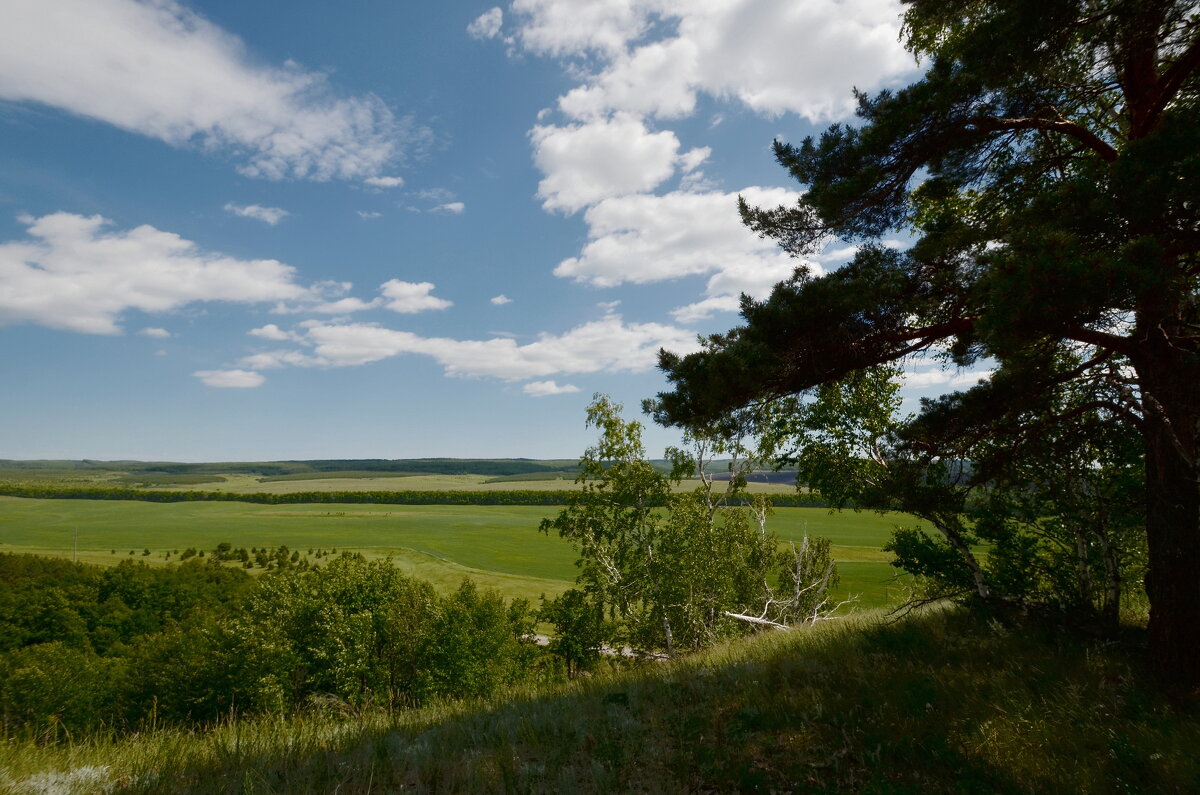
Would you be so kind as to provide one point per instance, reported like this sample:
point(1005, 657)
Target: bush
point(51, 685)
point(475, 645)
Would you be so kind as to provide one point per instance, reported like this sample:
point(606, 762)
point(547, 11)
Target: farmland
point(497, 546)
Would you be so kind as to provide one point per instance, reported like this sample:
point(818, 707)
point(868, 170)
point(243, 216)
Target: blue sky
point(246, 231)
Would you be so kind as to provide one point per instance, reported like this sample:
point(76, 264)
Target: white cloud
point(569, 27)
point(501, 300)
point(779, 56)
point(452, 208)
point(73, 275)
point(657, 79)
point(273, 360)
point(268, 215)
point(690, 160)
point(156, 333)
point(235, 379)
point(607, 345)
point(586, 163)
point(773, 56)
point(642, 239)
point(487, 25)
point(270, 332)
point(343, 306)
point(384, 182)
point(368, 215)
point(410, 297)
point(944, 378)
point(161, 70)
point(545, 388)
point(329, 298)
point(702, 310)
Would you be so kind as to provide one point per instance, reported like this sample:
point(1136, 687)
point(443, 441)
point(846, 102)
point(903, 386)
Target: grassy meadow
point(386, 481)
point(942, 702)
point(497, 546)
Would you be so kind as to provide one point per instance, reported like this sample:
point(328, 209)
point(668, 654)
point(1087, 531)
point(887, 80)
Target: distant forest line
point(422, 497)
point(491, 467)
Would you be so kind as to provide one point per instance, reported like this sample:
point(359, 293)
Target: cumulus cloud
point(161, 70)
point(501, 300)
point(329, 298)
point(658, 79)
point(641, 239)
point(273, 360)
point(271, 332)
point(545, 388)
point(74, 275)
point(156, 333)
point(368, 215)
point(410, 297)
point(384, 182)
point(487, 25)
point(344, 306)
point(268, 215)
point(644, 238)
point(451, 208)
point(773, 56)
point(564, 27)
point(607, 345)
point(586, 163)
point(231, 379)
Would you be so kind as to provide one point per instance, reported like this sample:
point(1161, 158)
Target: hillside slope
point(941, 702)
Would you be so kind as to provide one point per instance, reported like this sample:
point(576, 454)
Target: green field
point(498, 546)
point(386, 481)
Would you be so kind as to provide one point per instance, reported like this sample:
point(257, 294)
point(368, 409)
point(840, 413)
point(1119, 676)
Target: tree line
point(416, 497)
point(132, 647)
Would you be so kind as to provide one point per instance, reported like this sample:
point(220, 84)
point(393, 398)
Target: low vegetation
point(146, 479)
point(944, 701)
point(62, 491)
point(124, 649)
point(350, 474)
point(376, 466)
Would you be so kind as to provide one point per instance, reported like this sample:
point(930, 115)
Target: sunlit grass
point(496, 545)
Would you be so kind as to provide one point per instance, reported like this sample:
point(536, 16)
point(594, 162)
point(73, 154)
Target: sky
point(382, 229)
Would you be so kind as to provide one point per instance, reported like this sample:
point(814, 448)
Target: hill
point(941, 702)
point(161, 471)
point(437, 466)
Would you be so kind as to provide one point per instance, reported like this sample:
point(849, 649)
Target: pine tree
point(1047, 166)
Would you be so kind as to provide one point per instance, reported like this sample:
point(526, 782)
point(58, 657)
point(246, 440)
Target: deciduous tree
point(677, 571)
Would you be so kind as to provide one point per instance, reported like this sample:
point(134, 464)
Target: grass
point(346, 475)
point(156, 479)
point(498, 546)
point(942, 702)
point(403, 481)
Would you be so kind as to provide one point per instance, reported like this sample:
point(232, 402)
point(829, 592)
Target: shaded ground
point(944, 703)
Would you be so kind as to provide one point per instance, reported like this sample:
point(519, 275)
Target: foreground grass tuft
point(941, 702)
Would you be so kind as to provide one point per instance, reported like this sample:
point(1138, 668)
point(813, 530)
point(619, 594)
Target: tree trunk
point(1170, 380)
point(1110, 611)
